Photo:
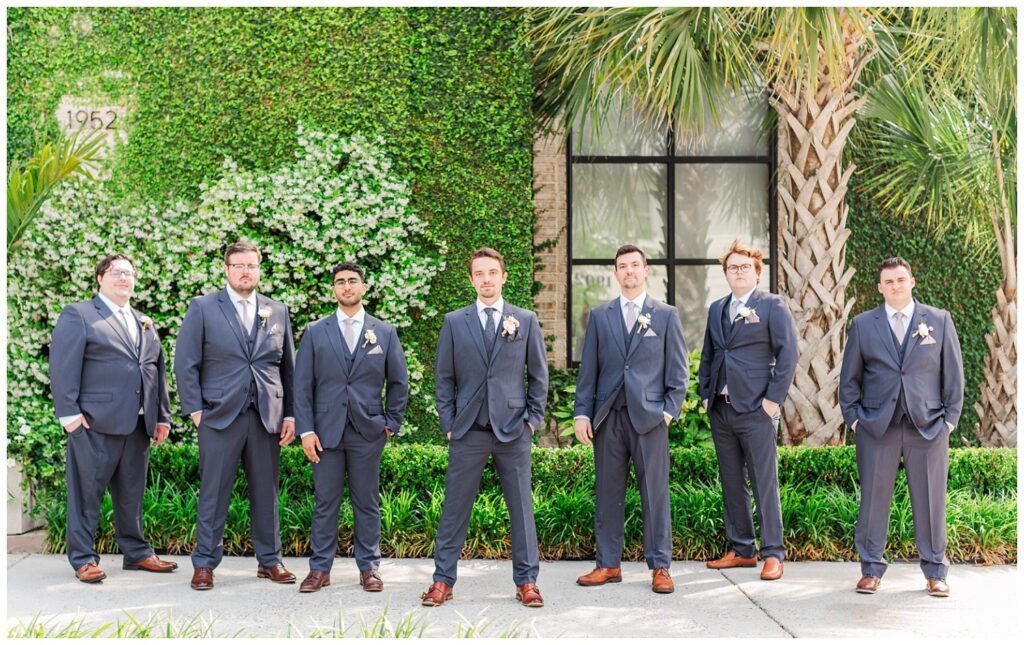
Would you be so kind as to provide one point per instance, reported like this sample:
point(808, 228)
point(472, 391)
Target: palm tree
point(677, 65)
point(947, 150)
point(29, 184)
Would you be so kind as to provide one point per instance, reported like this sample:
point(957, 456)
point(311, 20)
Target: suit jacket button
point(138, 391)
point(627, 367)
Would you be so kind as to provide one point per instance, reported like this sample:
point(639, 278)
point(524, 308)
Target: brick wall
point(550, 199)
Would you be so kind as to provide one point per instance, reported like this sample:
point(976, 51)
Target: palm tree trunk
point(812, 184)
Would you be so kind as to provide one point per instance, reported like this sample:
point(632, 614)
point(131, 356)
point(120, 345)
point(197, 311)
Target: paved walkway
point(814, 599)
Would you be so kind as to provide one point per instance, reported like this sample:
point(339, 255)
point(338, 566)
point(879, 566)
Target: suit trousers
point(245, 439)
point(927, 464)
point(360, 459)
point(745, 446)
point(94, 462)
point(616, 443)
point(467, 457)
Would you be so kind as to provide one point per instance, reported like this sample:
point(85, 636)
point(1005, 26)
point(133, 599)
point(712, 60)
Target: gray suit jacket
point(96, 371)
point(652, 364)
point(332, 390)
point(760, 358)
point(213, 366)
point(463, 367)
point(932, 375)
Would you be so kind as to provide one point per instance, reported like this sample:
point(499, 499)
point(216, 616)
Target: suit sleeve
point(677, 365)
point(164, 415)
point(782, 333)
point(288, 367)
point(444, 377)
point(707, 357)
point(850, 376)
point(188, 357)
point(396, 372)
point(303, 385)
point(952, 373)
point(586, 380)
point(67, 351)
point(536, 374)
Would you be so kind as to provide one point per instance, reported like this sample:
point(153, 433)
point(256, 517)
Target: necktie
point(350, 334)
point(246, 316)
point(899, 327)
point(490, 329)
point(129, 326)
point(734, 308)
point(630, 316)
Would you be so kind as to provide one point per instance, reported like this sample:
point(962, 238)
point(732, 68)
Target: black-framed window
point(681, 200)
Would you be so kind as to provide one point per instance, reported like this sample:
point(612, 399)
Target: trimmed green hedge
point(818, 489)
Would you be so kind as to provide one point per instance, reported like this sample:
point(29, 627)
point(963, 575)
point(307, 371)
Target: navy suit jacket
point(651, 363)
point(931, 375)
point(463, 367)
point(214, 368)
point(96, 371)
point(331, 392)
point(760, 358)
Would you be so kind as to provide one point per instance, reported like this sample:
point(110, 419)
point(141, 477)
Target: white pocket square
point(375, 350)
point(650, 334)
point(928, 340)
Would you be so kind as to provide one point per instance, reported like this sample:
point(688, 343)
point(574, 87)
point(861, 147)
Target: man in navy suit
point(632, 383)
point(110, 392)
point(233, 363)
point(746, 368)
point(345, 361)
point(901, 390)
point(483, 354)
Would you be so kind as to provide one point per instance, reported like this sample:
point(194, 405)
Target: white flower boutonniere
point(748, 315)
point(369, 338)
point(924, 332)
point(644, 321)
point(264, 316)
point(509, 326)
point(147, 322)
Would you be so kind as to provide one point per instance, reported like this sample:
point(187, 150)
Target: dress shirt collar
point(639, 300)
point(236, 298)
point(358, 318)
point(743, 299)
point(113, 307)
point(498, 305)
point(908, 311)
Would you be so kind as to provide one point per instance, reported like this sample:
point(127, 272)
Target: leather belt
point(723, 398)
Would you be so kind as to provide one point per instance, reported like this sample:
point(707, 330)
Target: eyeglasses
point(351, 282)
point(739, 268)
point(122, 273)
point(243, 267)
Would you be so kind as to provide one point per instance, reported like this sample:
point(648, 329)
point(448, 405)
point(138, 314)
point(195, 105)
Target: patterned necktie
point(899, 327)
point(630, 316)
point(129, 326)
point(246, 316)
point(734, 308)
point(490, 329)
point(350, 334)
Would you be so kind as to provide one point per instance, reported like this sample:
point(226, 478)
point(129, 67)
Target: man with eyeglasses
point(109, 389)
point(746, 368)
point(233, 362)
point(345, 362)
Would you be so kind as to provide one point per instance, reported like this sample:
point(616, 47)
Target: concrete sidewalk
point(814, 599)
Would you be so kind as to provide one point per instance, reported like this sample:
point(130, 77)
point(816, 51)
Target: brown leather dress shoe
point(202, 579)
point(315, 581)
point(772, 569)
point(277, 573)
point(868, 584)
point(599, 576)
point(529, 595)
point(438, 594)
point(370, 580)
point(661, 581)
point(730, 560)
point(152, 563)
point(938, 588)
point(90, 573)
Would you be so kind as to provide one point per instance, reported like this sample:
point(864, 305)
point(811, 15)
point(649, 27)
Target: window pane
point(696, 288)
point(593, 286)
point(715, 203)
point(739, 132)
point(615, 204)
point(619, 135)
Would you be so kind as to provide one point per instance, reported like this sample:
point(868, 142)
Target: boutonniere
point(147, 322)
point(748, 315)
point(644, 320)
point(924, 332)
point(369, 338)
point(509, 326)
point(264, 316)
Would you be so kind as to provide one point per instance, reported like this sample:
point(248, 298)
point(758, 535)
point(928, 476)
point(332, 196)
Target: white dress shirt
point(357, 324)
point(498, 306)
point(908, 315)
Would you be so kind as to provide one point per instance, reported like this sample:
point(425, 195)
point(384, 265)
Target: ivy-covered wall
point(447, 88)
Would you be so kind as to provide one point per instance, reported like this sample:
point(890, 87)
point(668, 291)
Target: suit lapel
point(717, 328)
point(262, 304)
point(635, 333)
point(752, 301)
point(499, 340)
point(107, 315)
point(475, 332)
point(334, 336)
point(228, 309)
point(618, 325)
point(142, 334)
point(362, 347)
point(885, 335)
point(911, 341)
